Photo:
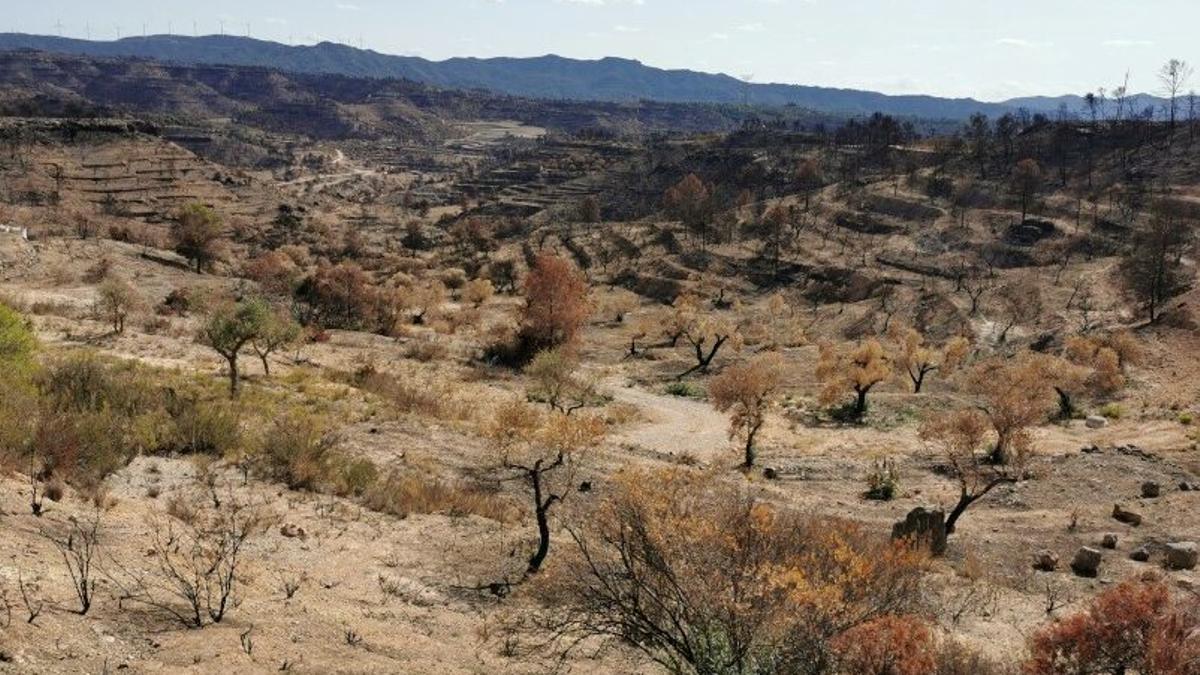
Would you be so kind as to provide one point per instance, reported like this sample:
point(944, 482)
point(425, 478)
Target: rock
point(1109, 540)
point(1182, 555)
point(1045, 560)
point(923, 527)
point(770, 473)
point(1150, 489)
point(1087, 561)
point(1140, 554)
point(1095, 422)
point(1127, 517)
point(1090, 449)
point(1185, 486)
point(291, 531)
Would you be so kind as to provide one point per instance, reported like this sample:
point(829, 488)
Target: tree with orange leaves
point(703, 577)
point(919, 360)
point(855, 367)
point(960, 439)
point(1135, 625)
point(746, 391)
point(556, 304)
point(1014, 395)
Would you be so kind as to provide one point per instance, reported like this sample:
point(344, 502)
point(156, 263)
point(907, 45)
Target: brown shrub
point(1135, 625)
point(402, 493)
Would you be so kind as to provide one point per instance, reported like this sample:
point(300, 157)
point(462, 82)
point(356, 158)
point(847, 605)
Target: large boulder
point(1109, 540)
point(1045, 560)
point(1095, 422)
point(1127, 517)
point(1182, 555)
point(1140, 554)
point(1087, 561)
point(1150, 489)
point(923, 527)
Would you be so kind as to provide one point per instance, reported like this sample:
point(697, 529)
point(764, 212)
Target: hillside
point(312, 373)
point(552, 77)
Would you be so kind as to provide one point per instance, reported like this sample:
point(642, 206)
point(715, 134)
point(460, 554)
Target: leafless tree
point(198, 565)
point(1174, 76)
point(79, 547)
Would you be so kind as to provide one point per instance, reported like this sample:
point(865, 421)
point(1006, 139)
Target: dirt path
point(674, 425)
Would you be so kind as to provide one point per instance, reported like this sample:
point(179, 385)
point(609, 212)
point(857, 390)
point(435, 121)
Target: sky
point(986, 49)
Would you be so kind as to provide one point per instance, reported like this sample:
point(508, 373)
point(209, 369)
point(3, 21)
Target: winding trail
point(674, 425)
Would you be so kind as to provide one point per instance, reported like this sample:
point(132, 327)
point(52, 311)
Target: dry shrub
point(1134, 626)
point(203, 427)
point(402, 493)
point(428, 394)
point(703, 577)
point(889, 645)
point(298, 452)
point(955, 657)
point(427, 351)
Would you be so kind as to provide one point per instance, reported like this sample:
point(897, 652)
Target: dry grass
point(404, 493)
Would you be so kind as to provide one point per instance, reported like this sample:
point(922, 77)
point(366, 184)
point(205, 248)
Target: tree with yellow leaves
point(855, 367)
point(918, 360)
point(783, 324)
point(702, 577)
point(543, 451)
point(746, 391)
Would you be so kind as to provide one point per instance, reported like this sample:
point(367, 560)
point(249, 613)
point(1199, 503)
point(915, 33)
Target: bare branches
point(195, 569)
point(79, 547)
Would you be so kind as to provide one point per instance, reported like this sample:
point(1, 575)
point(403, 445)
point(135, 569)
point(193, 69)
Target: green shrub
point(883, 481)
point(356, 477)
point(297, 452)
point(1186, 418)
point(202, 427)
point(685, 389)
point(1112, 411)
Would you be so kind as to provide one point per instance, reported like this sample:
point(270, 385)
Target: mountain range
point(609, 79)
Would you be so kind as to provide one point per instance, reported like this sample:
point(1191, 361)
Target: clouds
point(1123, 43)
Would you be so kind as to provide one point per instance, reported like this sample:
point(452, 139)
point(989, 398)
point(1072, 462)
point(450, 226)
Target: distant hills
point(547, 77)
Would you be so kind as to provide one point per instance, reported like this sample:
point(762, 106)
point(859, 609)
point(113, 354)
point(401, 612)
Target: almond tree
point(747, 391)
point(960, 438)
point(542, 450)
point(857, 368)
point(918, 360)
point(278, 331)
point(1020, 302)
point(1014, 395)
point(704, 331)
point(116, 298)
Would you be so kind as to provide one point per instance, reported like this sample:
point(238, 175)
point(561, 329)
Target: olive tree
point(230, 327)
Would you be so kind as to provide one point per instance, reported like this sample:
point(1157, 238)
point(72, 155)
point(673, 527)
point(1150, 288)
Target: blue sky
point(987, 49)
